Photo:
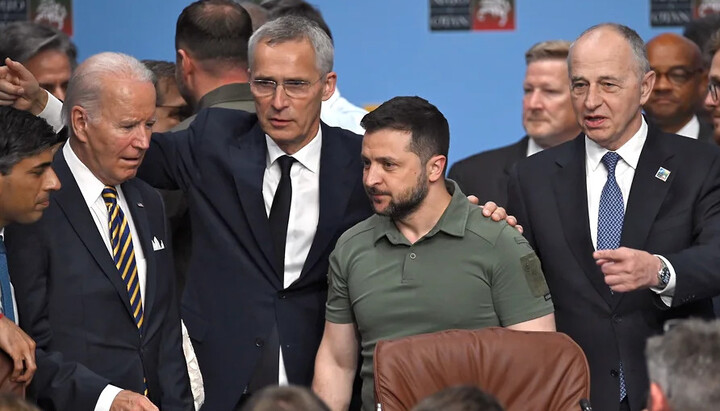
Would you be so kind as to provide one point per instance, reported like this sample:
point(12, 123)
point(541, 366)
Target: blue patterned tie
point(5, 290)
point(610, 223)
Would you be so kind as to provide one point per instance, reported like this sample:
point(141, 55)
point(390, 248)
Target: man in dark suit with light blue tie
point(625, 218)
point(27, 145)
point(94, 276)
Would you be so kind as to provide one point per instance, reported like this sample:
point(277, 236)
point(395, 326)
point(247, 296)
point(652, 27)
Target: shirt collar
point(308, 156)
point(452, 222)
point(90, 187)
point(629, 152)
point(691, 129)
point(533, 147)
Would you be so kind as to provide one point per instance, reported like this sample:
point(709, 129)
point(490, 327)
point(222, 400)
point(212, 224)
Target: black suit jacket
point(486, 174)
point(706, 132)
point(233, 293)
point(678, 219)
point(73, 302)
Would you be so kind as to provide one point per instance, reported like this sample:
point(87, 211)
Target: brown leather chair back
point(524, 370)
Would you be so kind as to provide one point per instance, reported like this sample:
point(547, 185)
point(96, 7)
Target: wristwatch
point(663, 274)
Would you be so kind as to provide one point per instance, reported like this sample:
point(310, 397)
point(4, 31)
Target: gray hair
point(685, 363)
point(636, 43)
point(23, 40)
point(86, 86)
point(294, 28)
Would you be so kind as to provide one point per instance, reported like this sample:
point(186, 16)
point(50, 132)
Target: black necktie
point(280, 213)
point(267, 369)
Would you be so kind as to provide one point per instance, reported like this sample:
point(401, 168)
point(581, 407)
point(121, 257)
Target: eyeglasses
point(293, 88)
point(678, 75)
point(713, 90)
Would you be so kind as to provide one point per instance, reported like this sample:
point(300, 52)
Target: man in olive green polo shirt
point(427, 261)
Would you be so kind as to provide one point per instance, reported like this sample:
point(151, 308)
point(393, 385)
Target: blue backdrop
point(384, 48)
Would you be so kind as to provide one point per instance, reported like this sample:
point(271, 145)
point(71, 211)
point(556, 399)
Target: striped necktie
point(123, 252)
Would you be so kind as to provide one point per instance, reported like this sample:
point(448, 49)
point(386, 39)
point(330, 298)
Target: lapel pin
point(662, 174)
point(142, 206)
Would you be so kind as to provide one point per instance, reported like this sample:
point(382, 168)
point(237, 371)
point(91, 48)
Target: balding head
point(680, 83)
point(610, 81)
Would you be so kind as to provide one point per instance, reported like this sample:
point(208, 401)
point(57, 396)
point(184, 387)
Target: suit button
point(614, 373)
point(259, 342)
point(617, 319)
point(282, 296)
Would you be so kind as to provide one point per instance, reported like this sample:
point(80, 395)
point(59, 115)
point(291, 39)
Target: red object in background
point(56, 13)
point(493, 15)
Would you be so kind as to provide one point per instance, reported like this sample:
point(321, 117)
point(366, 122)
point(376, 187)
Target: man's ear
point(185, 60)
point(329, 85)
point(79, 121)
point(436, 167)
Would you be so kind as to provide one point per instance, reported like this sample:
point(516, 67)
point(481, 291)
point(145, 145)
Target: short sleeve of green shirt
point(518, 285)
point(337, 308)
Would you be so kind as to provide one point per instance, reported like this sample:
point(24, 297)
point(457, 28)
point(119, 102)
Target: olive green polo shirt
point(468, 272)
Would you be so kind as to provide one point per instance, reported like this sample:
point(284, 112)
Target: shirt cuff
point(107, 396)
point(52, 113)
point(666, 293)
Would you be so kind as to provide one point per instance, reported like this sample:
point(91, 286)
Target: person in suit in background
point(47, 52)
point(27, 145)
point(94, 277)
point(170, 107)
point(684, 367)
point(548, 120)
point(625, 218)
point(680, 84)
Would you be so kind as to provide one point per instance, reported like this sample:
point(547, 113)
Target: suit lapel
point(71, 201)
point(336, 185)
point(519, 153)
point(647, 192)
point(248, 159)
point(142, 225)
point(570, 187)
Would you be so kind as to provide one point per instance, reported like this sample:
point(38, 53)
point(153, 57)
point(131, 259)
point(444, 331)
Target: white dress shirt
point(91, 189)
point(304, 208)
point(12, 289)
point(596, 175)
point(691, 129)
point(533, 147)
point(338, 112)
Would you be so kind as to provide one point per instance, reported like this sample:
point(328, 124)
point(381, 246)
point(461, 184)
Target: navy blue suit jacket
point(73, 302)
point(678, 219)
point(233, 293)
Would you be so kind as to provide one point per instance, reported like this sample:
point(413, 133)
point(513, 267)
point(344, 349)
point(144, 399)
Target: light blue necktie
point(7, 300)
point(610, 223)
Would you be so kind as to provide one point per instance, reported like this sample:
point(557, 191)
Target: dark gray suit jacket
point(486, 174)
point(678, 219)
point(73, 302)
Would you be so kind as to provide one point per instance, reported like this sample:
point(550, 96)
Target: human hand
point(627, 269)
point(19, 88)
point(127, 400)
point(490, 209)
point(21, 348)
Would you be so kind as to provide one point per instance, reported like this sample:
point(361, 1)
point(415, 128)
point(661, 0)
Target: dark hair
point(280, 8)
point(163, 71)
point(701, 30)
point(216, 30)
point(22, 135)
point(12, 402)
point(428, 127)
point(23, 40)
point(287, 398)
point(460, 398)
